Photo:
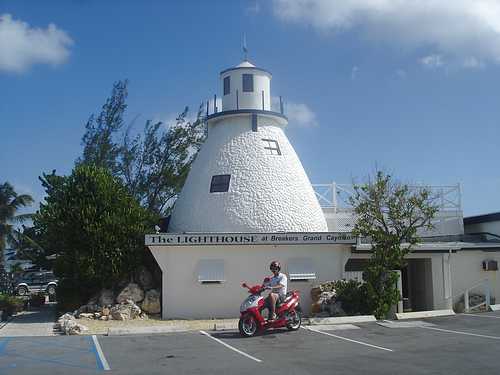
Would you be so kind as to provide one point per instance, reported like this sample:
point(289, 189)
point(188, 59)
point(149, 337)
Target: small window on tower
point(271, 146)
point(247, 82)
point(220, 183)
point(227, 85)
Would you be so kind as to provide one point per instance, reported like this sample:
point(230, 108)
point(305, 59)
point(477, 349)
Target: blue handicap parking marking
point(75, 353)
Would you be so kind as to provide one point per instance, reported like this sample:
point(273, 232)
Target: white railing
point(485, 286)
point(448, 197)
point(353, 275)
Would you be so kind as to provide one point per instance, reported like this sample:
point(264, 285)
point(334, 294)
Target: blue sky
point(367, 83)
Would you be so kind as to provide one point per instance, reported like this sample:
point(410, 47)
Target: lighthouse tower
point(247, 176)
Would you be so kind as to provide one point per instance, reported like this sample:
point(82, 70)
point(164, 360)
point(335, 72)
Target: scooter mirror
point(267, 279)
point(244, 285)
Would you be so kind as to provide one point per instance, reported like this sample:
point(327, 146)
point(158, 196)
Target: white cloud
point(459, 30)
point(22, 46)
point(432, 61)
point(354, 72)
point(299, 114)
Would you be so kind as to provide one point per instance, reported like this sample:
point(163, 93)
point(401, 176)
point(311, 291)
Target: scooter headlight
point(248, 303)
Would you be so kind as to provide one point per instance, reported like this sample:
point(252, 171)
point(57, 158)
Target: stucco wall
point(267, 193)
point(184, 297)
point(468, 270)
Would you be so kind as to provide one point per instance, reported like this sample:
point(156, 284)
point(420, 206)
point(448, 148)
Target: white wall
point(247, 100)
point(267, 193)
point(184, 297)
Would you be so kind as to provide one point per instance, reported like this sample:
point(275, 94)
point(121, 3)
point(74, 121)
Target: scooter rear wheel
point(247, 326)
point(294, 320)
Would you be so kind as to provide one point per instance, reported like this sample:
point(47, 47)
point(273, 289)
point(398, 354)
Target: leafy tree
point(389, 214)
point(154, 165)
point(99, 148)
point(10, 203)
point(95, 227)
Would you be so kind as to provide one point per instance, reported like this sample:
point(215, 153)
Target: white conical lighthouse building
point(247, 176)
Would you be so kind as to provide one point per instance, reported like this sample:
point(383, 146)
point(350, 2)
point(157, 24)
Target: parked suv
point(36, 282)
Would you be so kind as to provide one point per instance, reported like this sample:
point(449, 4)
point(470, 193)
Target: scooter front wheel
point(247, 326)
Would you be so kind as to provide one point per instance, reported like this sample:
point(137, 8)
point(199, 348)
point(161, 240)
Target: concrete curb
point(340, 320)
point(424, 314)
point(208, 326)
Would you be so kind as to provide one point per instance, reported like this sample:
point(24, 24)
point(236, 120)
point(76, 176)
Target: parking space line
point(462, 333)
point(101, 359)
point(350, 340)
point(230, 347)
point(481, 316)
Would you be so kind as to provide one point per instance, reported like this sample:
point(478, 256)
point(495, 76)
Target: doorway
point(416, 279)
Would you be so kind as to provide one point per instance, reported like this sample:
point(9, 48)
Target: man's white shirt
point(277, 280)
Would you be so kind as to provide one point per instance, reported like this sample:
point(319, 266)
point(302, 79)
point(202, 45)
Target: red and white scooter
point(289, 313)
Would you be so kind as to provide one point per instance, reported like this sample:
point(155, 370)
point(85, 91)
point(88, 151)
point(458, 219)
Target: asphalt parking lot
point(462, 344)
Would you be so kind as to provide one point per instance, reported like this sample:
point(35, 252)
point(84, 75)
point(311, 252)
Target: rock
point(105, 311)
point(151, 303)
point(106, 297)
point(104, 317)
point(97, 315)
point(144, 277)
point(131, 292)
point(144, 316)
point(86, 309)
point(315, 293)
point(69, 326)
point(125, 311)
point(86, 316)
point(94, 300)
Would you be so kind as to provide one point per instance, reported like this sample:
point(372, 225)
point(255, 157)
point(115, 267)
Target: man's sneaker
point(273, 317)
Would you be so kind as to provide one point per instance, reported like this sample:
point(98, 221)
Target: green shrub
point(353, 295)
point(72, 294)
point(10, 305)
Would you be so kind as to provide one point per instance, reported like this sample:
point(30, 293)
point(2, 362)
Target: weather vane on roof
point(244, 47)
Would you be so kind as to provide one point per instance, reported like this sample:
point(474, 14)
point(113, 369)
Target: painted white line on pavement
point(481, 316)
point(462, 333)
point(102, 358)
point(230, 347)
point(350, 340)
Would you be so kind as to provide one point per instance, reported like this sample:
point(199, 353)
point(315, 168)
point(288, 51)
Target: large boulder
point(151, 303)
point(69, 326)
point(144, 278)
point(106, 297)
point(131, 292)
point(125, 311)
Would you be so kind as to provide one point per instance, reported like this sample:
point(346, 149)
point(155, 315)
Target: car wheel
point(22, 290)
point(51, 290)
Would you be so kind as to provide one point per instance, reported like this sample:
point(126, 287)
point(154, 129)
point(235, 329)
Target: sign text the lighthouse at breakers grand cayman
point(193, 239)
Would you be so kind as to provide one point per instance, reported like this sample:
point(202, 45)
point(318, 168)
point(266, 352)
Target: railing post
point(334, 196)
point(466, 300)
point(487, 294)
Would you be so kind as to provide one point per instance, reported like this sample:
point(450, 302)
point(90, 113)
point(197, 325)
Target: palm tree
point(10, 203)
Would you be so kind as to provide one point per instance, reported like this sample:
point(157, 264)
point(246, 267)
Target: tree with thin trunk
point(389, 216)
point(10, 203)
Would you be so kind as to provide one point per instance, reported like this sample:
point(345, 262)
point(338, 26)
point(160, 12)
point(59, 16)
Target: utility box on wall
point(490, 265)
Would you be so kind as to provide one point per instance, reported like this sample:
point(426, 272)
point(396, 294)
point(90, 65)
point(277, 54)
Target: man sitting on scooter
point(277, 285)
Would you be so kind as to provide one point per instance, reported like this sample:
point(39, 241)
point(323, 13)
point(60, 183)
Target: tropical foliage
point(389, 215)
point(154, 165)
point(10, 203)
point(94, 227)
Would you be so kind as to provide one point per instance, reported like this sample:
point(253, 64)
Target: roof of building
point(245, 64)
point(485, 218)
